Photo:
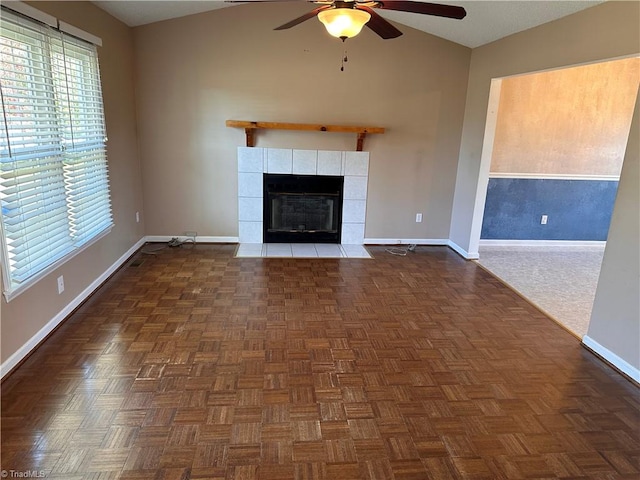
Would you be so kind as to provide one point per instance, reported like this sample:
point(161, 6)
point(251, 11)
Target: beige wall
point(196, 72)
point(573, 121)
point(599, 33)
point(615, 319)
point(24, 316)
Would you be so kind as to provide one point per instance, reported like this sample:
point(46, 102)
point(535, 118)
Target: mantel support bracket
point(251, 127)
point(251, 138)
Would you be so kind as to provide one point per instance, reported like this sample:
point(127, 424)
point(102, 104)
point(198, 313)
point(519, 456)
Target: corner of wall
point(619, 363)
point(462, 252)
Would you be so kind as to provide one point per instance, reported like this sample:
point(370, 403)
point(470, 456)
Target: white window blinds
point(54, 189)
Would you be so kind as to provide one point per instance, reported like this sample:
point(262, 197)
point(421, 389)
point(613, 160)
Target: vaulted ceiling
point(486, 21)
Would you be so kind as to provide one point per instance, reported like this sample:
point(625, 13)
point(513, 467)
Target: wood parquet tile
point(193, 364)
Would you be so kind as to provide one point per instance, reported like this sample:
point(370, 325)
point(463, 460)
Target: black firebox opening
point(302, 208)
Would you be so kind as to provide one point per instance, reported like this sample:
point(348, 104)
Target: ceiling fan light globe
point(343, 22)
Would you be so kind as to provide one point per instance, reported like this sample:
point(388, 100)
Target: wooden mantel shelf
point(251, 127)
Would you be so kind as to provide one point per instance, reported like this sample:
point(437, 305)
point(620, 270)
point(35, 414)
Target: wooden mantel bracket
point(251, 127)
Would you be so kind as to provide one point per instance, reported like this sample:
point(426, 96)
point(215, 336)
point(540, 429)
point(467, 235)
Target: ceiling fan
point(346, 18)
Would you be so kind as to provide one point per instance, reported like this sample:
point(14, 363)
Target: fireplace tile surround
point(254, 161)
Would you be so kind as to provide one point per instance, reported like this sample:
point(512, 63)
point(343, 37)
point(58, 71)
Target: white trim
point(406, 241)
point(486, 155)
point(4, 262)
point(182, 238)
point(554, 176)
point(31, 12)
point(42, 17)
point(77, 32)
point(542, 243)
point(619, 363)
point(207, 239)
point(462, 252)
point(34, 341)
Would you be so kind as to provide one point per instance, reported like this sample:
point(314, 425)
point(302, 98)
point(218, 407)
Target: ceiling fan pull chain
point(344, 60)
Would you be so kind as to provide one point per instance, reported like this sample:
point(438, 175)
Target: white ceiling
point(486, 21)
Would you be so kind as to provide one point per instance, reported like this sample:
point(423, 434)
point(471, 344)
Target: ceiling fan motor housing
point(343, 23)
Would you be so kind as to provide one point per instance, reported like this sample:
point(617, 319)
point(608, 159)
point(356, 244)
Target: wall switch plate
point(418, 217)
point(543, 220)
point(137, 217)
point(60, 284)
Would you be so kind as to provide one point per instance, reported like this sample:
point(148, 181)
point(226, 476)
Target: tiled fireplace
point(253, 162)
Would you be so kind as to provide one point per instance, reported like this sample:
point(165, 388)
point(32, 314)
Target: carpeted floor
point(561, 281)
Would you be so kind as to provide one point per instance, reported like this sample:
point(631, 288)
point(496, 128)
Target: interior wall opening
point(554, 146)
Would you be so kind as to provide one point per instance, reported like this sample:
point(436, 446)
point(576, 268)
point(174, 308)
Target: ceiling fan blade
point(449, 11)
point(303, 18)
point(379, 25)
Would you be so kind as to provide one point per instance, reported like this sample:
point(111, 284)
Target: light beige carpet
point(561, 281)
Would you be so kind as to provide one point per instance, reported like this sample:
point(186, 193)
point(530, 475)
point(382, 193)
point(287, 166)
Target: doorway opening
point(553, 152)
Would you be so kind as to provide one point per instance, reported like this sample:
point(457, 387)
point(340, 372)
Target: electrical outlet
point(543, 220)
point(60, 284)
point(137, 217)
point(418, 217)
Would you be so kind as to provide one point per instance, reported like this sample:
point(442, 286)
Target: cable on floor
point(174, 242)
point(401, 252)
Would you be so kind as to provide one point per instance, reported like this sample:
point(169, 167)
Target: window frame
point(64, 33)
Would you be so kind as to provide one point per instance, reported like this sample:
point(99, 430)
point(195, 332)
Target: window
point(54, 190)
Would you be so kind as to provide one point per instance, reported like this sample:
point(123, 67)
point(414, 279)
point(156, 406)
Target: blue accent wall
point(576, 209)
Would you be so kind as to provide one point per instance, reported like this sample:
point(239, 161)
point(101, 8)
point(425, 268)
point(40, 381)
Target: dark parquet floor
point(193, 364)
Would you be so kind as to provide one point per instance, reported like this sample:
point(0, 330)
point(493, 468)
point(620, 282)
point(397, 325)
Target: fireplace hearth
point(302, 208)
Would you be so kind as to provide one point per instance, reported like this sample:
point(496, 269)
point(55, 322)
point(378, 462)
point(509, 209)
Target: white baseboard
point(621, 364)
point(542, 243)
point(34, 341)
point(405, 241)
point(424, 241)
point(199, 239)
point(462, 252)
point(204, 239)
